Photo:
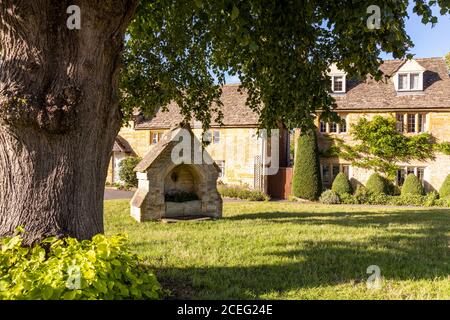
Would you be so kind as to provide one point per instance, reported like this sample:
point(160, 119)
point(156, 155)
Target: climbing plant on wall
point(379, 146)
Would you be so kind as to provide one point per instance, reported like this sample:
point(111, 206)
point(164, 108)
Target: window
point(338, 84)
point(207, 136)
point(216, 136)
point(323, 126)
point(333, 127)
point(403, 81)
point(411, 123)
point(330, 171)
point(336, 170)
point(421, 118)
point(221, 164)
point(414, 81)
point(155, 137)
point(409, 81)
point(400, 122)
point(343, 125)
point(326, 174)
point(404, 171)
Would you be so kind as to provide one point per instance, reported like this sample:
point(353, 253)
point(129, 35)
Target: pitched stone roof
point(372, 95)
point(235, 113)
point(361, 95)
point(122, 145)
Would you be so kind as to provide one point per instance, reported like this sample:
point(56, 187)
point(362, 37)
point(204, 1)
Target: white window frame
point(343, 83)
point(408, 81)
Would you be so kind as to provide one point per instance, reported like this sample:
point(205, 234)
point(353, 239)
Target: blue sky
point(429, 41)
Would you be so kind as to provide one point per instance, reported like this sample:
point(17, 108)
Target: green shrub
point(445, 188)
point(443, 202)
point(243, 193)
point(329, 197)
point(126, 171)
point(412, 186)
point(348, 199)
point(361, 194)
point(307, 183)
point(68, 269)
point(431, 198)
point(377, 184)
point(341, 185)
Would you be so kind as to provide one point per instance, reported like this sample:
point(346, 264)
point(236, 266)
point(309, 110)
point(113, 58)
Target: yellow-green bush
point(68, 269)
point(444, 191)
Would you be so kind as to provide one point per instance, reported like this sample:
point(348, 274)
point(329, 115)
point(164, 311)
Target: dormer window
point(338, 84)
point(409, 82)
point(409, 77)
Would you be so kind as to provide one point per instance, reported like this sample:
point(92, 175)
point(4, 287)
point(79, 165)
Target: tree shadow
point(420, 253)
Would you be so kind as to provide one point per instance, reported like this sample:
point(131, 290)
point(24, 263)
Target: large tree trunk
point(59, 114)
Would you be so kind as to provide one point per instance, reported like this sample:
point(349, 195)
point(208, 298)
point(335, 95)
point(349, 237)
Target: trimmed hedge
point(377, 184)
point(428, 200)
point(307, 183)
point(444, 191)
point(341, 185)
point(412, 186)
point(243, 193)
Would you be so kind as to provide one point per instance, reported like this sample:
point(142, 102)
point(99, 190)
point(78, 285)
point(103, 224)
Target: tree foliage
point(307, 182)
point(281, 51)
point(447, 61)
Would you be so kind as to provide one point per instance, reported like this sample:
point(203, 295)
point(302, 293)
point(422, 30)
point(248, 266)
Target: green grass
point(281, 250)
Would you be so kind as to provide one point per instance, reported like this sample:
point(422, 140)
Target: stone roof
point(361, 95)
point(168, 141)
point(235, 113)
point(122, 145)
point(373, 95)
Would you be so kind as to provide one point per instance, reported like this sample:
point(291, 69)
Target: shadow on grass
point(404, 254)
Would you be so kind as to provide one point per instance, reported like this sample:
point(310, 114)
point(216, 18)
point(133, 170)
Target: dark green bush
point(348, 199)
point(377, 184)
point(126, 171)
point(445, 188)
point(180, 196)
point(68, 269)
point(341, 185)
point(307, 183)
point(243, 193)
point(361, 194)
point(329, 197)
point(412, 186)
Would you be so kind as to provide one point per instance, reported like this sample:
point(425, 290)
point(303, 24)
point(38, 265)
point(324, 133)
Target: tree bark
point(59, 114)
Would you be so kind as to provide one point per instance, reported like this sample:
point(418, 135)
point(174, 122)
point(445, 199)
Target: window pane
point(343, 125)
point(421, 122)
point(325, 174)
point(411, 123)
point(420, 173)
point(345, 170)
point(338, 83)
point(323, 126)
point(333, 127)
point(400, 123)
point(402, 81)
point(410, 170)
point(414, 81)
point(400, 176)
point(216, 138)
point(336, 170)
point(154, 138)
point(207, 136)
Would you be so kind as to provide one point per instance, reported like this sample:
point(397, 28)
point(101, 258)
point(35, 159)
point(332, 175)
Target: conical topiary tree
point(444, 191)
point(377, 184)
point(341, 185)
point(307, 182)
point(412, 185)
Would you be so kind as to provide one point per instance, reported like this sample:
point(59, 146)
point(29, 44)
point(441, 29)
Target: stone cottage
point(177, 179)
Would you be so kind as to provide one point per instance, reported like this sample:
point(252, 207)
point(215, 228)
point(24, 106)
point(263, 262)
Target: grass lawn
point(281, 250)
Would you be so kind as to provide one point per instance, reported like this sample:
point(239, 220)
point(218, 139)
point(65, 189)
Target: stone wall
point(438, 124)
